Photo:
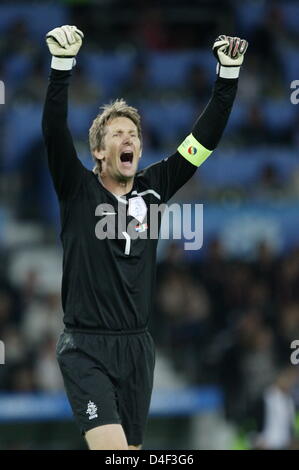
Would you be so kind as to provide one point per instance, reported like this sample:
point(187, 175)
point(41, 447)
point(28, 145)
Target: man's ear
point(99, 155)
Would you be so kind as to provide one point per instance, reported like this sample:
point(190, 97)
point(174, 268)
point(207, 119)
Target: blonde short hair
point(117, 108)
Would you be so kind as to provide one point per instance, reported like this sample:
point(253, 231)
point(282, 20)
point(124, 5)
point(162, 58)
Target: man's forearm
point(210, 125)
point(56, 104)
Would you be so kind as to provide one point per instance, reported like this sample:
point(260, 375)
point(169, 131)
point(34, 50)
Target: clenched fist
point(64, 41)
point(229, 51)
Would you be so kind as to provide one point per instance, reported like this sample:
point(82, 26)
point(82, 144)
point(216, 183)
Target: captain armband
point(193, 151)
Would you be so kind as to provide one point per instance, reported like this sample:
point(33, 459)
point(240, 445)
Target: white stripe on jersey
point(148, 191)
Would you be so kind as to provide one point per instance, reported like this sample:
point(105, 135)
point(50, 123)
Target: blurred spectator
point(21, 378)
point(287, 328)
point(293, 185)
point(151, 31)
point(185, 308)
point(255, 130)
point(42, 317)
point(33, 88)
point(198, 87)
point(258, 364)
point(288, 278)
point(276, 413)
point(5, 310)
point(250, 87)
point(31, 196)
point(17, 40)
point(212, 271)
point(136, 88)
point(47, 374)
point(295, 137)
point(30, 286)
point(83, 91)
point(16, 349)
point(248, 360)
point(265, 265)
point(270, 185)
point(264, 41)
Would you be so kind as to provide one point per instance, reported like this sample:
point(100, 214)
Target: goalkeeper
point(106, 354)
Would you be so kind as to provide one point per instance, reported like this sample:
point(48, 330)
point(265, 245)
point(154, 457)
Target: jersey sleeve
point(66, 169)
point(169, 175)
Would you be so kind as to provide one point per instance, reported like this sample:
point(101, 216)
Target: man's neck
point(118, 188)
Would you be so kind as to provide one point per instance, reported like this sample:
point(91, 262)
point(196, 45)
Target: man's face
point(121, 150)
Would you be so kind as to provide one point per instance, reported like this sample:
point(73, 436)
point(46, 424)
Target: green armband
point(193, 151)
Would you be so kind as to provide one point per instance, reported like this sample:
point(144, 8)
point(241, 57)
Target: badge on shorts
point(137, 208)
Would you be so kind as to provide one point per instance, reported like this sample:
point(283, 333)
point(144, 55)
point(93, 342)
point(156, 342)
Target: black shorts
point(108, 378)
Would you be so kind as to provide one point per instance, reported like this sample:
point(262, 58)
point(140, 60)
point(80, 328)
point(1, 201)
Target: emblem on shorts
point(92, 410)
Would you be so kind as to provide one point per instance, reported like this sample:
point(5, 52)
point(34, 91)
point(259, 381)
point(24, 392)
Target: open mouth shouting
point(126, 159)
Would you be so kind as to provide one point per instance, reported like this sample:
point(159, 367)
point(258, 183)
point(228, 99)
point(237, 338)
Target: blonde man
point(106, 353)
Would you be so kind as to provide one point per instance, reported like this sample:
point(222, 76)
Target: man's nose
point(127, 139)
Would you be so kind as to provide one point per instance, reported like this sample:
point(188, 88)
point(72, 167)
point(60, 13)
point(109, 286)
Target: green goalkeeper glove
point(229, 51)
point(64, 44)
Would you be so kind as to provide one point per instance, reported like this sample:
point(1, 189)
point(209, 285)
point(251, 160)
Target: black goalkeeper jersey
point(108, 283)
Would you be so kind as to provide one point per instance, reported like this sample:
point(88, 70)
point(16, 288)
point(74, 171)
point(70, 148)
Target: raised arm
point(175, 171)
point(209, 127)
point(65, 167)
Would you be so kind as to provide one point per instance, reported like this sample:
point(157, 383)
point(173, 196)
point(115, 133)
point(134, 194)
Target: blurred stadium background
point(225, 315)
